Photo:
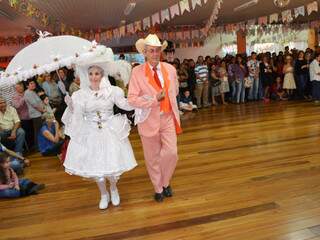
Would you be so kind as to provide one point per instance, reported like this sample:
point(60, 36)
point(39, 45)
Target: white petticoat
point(104, 152)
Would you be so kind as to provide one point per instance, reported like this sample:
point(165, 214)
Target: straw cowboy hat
point(150, 40)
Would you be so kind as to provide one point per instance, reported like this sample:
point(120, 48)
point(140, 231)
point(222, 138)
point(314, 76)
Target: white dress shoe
point(104, 202)
point(115, 198)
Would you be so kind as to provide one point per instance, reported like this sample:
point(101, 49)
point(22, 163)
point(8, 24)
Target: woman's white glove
point(68, 101)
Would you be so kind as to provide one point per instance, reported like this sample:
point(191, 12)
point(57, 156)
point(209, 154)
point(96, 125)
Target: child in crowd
point(46, 104)
point(277, 91)
point(10, 185)
point(17, 162)
point(186, 103)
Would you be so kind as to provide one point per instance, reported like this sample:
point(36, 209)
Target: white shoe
point(115, 198)
point(104, 202)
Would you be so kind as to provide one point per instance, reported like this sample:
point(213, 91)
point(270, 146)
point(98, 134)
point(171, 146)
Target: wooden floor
point(246, 172)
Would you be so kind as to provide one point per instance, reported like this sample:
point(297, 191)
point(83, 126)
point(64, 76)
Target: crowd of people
point(289, 75)
point(31, 120)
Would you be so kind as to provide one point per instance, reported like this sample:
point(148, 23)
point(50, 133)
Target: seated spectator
point(186, 103)
point(10, 129)
point(277, 91)
point(49, 137)
point(75, 86)
point(51, 89)
point(17, 162)
point(11, 186)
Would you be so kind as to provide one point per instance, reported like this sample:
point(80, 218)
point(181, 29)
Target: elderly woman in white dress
point(99, 147)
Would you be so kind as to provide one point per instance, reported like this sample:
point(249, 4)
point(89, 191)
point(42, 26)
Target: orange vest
point(165, 105)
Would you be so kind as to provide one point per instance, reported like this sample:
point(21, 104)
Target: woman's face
point(19, 88)
point(95, 75)
point(301, 55)
point(6, 164)
point(32, 85)
point(46, 101)
point(47, 78)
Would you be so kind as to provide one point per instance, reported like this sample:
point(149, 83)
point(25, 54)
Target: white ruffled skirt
point(95, 152)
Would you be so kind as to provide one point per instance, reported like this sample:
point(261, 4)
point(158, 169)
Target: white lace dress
point(99, 144)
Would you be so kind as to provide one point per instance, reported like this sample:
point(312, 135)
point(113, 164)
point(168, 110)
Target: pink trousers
point(160, 153)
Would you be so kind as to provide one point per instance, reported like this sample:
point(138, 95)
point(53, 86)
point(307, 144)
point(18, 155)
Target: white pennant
point(195, 3)
point(184, 6)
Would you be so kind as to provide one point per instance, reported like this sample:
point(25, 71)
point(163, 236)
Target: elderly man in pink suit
point(153, 87)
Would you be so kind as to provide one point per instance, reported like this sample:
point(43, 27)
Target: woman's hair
point(43, 97)
point(97, 67)
point(3, 176)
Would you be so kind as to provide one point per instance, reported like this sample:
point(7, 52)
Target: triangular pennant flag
point(263, 20)
point(146, 23)
point(184, 6)
point(287, 16)
point(109, 35)
point(250, 22)
point(174, 10)
point(155, 19)
point(205, 1)
point(165, 15)
point(122, 31)
point(130, 28)
point(195, 34)
point(195, 3)
point(116, 33)
point(299, 11)
point(312, 7)
point(137, 26)
point(186, 35)
point(274, 18)
point(165, 35)
point(179, 36)
point(171, 35)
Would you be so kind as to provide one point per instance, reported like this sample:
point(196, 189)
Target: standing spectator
point(51, 89)
point(301, 70)
point(315, 78)
point(10, 129)
point(253, 67)
point(35, 107)
point(289, 82)
point(75, 85)
point(240, 73)
point(20, 105)
point(63, 82)
point(232, 78)
point(223, 76)
point(215, 84)
point(192, 81)
point(202, 87)
point(266, 75)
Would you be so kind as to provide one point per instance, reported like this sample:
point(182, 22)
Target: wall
point(212, 47)
point(8, 51)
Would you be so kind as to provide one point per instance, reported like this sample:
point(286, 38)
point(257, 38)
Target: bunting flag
point(122, 31)
point(155, 19)
point(312, 7)
point(116, 33)
point(174, 10)
point(263, 20)
point(186, 35)
point(137, 26)
point(205, 1)
point(130, 28)
point(251, 22)
point(109, 35)
point(195, 3)
point(274, 18)
point(146, 23)
point(195, 34)
point(165, 15)
point(299, 11)
point(184, 6)
point(287, 16)
point(179, 35)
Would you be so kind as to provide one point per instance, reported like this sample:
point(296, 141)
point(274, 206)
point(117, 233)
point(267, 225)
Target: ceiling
point(95, 14)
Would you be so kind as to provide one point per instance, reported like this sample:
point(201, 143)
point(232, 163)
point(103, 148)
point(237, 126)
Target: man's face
point(3, 105)
point(152, 54)
point(61, 74)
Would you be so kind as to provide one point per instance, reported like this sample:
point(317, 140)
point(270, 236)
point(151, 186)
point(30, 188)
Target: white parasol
point(48, 54)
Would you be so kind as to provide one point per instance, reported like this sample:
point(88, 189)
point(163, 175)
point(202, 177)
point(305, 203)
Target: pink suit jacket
point(143, 95)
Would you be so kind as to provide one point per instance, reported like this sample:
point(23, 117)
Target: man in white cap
point(153, 87)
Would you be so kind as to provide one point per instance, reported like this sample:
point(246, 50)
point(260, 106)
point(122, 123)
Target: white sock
point(115, 198)
point(101, 182)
